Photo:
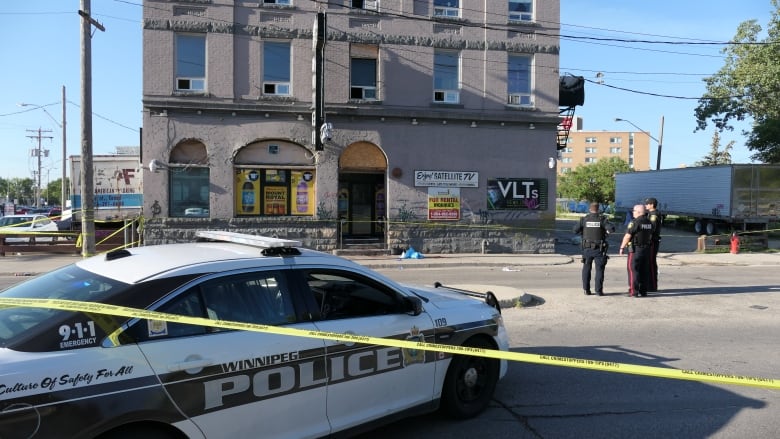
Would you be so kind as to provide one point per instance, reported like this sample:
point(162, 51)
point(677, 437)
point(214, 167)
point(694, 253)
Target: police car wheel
point(470, 382)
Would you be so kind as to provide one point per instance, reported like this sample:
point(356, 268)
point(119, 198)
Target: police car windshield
point(69, 283)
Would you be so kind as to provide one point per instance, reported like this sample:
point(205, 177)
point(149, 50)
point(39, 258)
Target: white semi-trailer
point(722, 198)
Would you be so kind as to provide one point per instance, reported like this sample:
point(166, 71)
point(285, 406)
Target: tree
point(19, 190)
point(53, 192)
point(748, 86)
point(716, 155)
point(594, 182)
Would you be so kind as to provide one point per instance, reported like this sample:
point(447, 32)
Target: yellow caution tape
point(607, 366)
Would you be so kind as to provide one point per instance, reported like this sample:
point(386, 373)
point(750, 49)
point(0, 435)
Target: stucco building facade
point(443, 121)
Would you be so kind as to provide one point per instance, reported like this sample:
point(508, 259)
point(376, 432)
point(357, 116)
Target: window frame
point(195, 80)
point(368, 91)
point(365, 5)
point(280, 81)
point(446, 10)
point(516, 15)
point(174, 171)
point(443, 76)
point(519, 89)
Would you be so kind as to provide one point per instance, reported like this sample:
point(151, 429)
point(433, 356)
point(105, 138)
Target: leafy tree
point(19, 190)
point(748, 86)
point(717, 156)
point(594, 182)
point(53, 192)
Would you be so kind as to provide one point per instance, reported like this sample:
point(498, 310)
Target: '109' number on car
point(440, 322)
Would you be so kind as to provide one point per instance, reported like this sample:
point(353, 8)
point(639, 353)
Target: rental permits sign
point(446, 178)
point(443, 204)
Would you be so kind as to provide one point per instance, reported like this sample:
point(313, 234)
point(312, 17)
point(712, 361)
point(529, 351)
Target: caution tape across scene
point(607, 366)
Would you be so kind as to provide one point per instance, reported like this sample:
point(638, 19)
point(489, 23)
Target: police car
point(91, 374)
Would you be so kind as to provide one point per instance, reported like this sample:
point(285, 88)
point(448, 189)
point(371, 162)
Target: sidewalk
point(30, 264)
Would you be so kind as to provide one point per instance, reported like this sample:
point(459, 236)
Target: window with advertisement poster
point(273, 192)
point(444, 204)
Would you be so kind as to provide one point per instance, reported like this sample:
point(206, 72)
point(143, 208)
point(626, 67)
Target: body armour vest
point(592, 230)
point(644, 231)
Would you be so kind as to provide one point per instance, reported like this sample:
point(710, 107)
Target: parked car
point(86, 375)
point(28, 224)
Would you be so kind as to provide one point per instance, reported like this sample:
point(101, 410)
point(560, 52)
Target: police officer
point(594, 229)
point(637, 239)
point(655, 217)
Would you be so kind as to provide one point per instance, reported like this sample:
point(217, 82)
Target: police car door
point(240, 384)
point(368, 381)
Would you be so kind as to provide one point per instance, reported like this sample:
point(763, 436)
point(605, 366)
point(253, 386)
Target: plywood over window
point(363, 156)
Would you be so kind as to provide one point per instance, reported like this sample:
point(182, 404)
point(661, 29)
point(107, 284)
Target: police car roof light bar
point(243, 238)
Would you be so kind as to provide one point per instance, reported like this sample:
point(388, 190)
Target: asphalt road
point(716, 319)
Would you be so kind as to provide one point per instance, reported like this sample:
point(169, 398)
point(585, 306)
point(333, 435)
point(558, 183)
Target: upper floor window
point(615, 150)
point(371, 5)
point(566, 160)
point(519, 80)
point(190, 62)
point(446, 8)
point(521, 10)
point(276, 68)
point(567, 149)
point(565, 170)
point(362, 78)
point(590, 140)
point(590, 150)
point(446, 76)
point(591, 159)
point(615, 140)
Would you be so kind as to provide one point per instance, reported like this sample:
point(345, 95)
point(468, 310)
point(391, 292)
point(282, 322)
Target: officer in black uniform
point(655, 217)
point(637, 239)
point(594, 228)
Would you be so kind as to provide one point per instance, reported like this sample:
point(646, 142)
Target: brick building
point(443, 117)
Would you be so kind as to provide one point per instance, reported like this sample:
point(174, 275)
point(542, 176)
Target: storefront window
point(274, 192)
point(189, 191)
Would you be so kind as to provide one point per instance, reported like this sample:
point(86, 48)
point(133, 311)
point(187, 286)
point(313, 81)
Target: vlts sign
point(517, 193)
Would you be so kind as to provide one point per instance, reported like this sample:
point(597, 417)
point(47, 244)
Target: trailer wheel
point(711, 228)
point(698, 227)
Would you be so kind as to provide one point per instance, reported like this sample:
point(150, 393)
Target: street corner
point(508, 297)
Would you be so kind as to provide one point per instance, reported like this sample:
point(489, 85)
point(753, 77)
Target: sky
point(42, 52)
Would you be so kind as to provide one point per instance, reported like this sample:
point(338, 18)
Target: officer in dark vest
point(594, 229)
point(636, 242)
point(651, 204)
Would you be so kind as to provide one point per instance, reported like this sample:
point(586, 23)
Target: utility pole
point(87, 171)
point(38, 152)
point(64, 152)
point(660, 145)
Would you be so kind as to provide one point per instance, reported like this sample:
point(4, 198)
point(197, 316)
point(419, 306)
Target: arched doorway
point(362, 203)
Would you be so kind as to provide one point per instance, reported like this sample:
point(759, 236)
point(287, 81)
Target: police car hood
point(444, 298)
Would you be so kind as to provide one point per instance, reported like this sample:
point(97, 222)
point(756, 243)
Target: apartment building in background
point(587, 147)
point(439, 121)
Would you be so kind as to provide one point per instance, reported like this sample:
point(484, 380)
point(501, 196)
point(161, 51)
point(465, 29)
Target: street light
point(64, 141)
point(660, 142)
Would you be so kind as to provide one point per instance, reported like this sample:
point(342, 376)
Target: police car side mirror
point(413, 306)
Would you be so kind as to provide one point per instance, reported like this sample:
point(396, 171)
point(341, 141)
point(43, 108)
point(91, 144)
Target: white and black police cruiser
point(92, 375)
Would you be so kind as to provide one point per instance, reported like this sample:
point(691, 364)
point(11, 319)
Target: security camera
point(156, 165)
point(326, 132)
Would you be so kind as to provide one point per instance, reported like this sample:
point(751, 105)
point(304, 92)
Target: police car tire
point(470, 382)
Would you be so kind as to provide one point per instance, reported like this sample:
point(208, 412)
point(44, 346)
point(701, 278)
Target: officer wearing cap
point(636, 241)
point(594, 229)
point(656, 219)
